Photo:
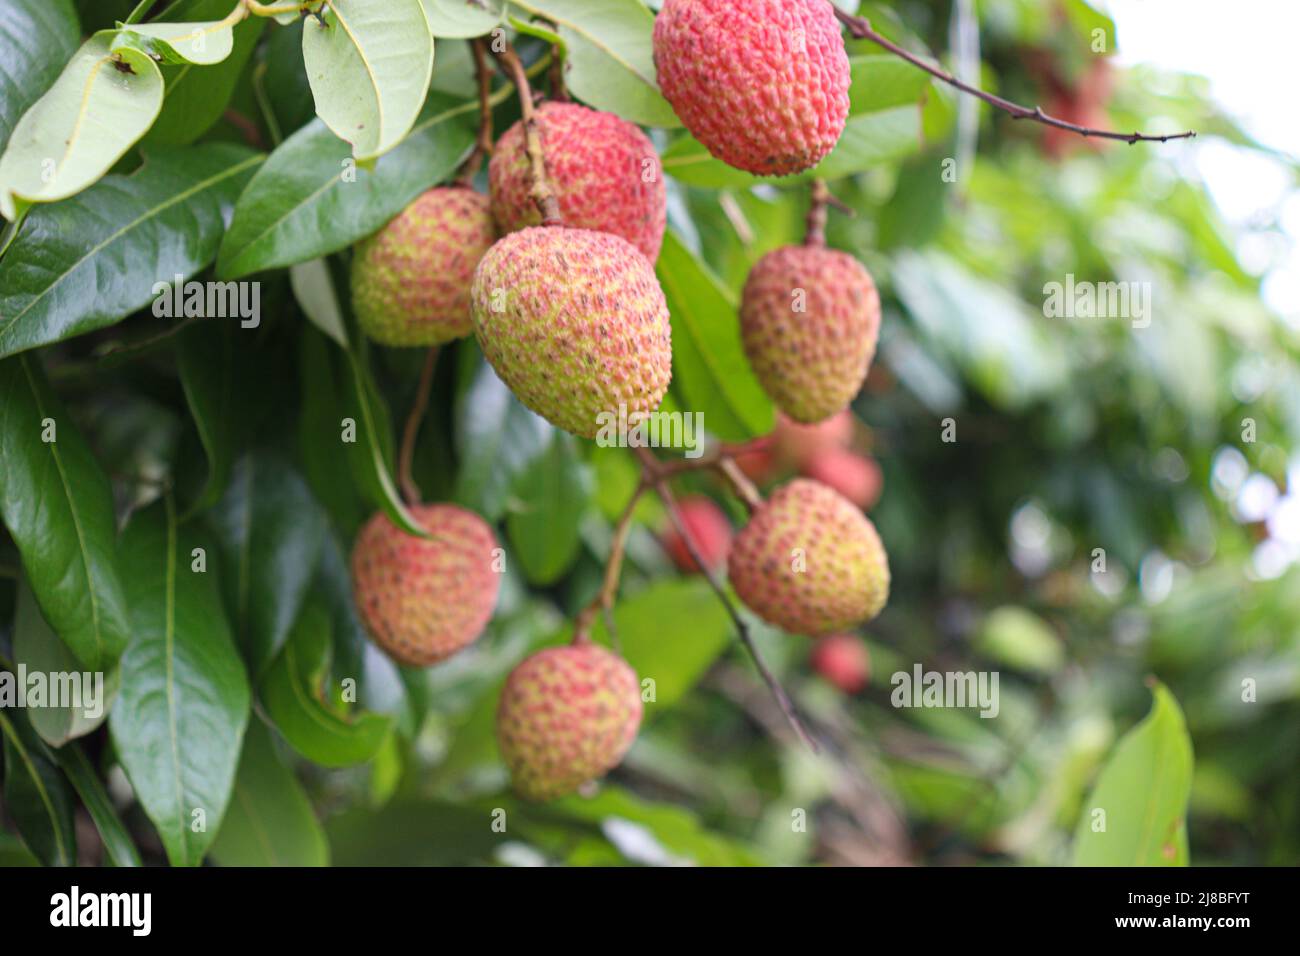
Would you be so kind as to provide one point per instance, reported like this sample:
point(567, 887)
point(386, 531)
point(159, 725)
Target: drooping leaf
point(36, 794)
point(179, 719)
point(462, 18)
point(102, 102)
point(201, 44)
point(205, 361)
point(117, 842)
point(37, 37)
point(369, 66)
point(321, 432)
point(86, 263)
point(550, 498)
point(1136, 814)
point(56, 503)
point(270, 821)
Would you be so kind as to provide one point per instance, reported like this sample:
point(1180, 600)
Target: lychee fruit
point(410, 280)
point(857, 477)
point(709, 530)
point(423, 599)
point(575, 323)
point(809, 319)
point(763, 84)
point(795, 444)
point(810, 562)
point(606, 174)
point(843, 660)
point(567, 715)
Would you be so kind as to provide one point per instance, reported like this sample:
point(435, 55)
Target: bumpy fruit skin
point(606, 174)
point(410, 280)
point(423, 599)
point(809, 561)
point(843, 660)
point(796, 444)
point(709, 530)
point(575, 323)
point(763, 84)
point(856, 477)
point(567, 715)
point(809, 319)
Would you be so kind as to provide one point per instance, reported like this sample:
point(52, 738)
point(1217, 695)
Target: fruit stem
point(740, 484)
point(542, 193)
point(815, 229)
point(483, 144)
point(410, 490)
point(860, 27)
point(604, 600)
point(558, 91)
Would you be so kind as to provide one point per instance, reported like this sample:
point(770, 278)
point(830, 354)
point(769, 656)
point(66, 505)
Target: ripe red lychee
point(567, 715)
point(795, 443)
point(410, 280)
point(809, 561)
point(857, 477)
point(423, 599)
point(575, 323)
point(763, 84)
point(843, 660)
point(709, 530)
point(606, 174)
point(809, 319)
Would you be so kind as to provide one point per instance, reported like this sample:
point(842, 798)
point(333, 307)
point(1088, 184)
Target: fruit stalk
point(483, 143)
point(410, 490)
point(815, 228)
point(604, 600)
point(543, 194)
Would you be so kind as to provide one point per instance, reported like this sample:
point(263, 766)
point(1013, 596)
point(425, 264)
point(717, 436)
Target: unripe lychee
point(856, 477)
point(809, 318)
point(567, 715)
point(763, 84)
point(709, 529)
point(423, 599)
point(795, 444)
point(575, 323)
point(843, 660)
point(606, 174)
point(809, 561)
point(410, 280)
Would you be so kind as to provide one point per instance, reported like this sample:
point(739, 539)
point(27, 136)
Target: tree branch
point(483, 144)
point(410, 490)
point(860, 27)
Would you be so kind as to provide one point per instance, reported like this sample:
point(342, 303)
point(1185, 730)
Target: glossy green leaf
point(462, 18)
point(609, 58)
point(270, 821)
point(321, 432)
point(117, 842)
point(550, 498)
point(307, 710)
point(1143, 791)
point(56, 503)
point(179, 720)
point(102, 102)
point(314, 293)
point(38, 649)
point(200, 43)
point(86, 263)
point(270, 529)
point(205, 361)
point(36, 794)
point(710, 370)
point(369, 66)
point(37, 37)
point(311, 199)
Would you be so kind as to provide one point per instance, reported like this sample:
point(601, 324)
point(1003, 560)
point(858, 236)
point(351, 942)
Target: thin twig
point(860, 27)
point(542, 192)
point(483, 144)
point(740, 484)
point(604, 600)
point(815, 229)
point(410, 490)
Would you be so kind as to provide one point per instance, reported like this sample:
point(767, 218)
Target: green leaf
point(369, 66)
point(310, 199)
point(40, 650)
point(36, 38)
point(57, 505)
point(609, 57)
point(314, 293)
point(180, 716)
point(1143, 790)
point(88, 262)
point(551, 496)
point(270, 821)
point(102, 102)
point(320, 432)
point(710, 370)
point(879, 81)
point(36, 795)
point(202, 44)
point(117, 842)
point(1020, 639)
point(270, 528)
point(462, 18)
point(206, 362)
point(306, 711)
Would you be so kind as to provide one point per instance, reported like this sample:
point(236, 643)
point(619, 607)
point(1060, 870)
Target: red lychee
point(843, 660)
point(709, 530)
point(857, 477)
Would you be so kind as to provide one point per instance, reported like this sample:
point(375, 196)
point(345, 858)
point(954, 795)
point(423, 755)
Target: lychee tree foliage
point(365, 580)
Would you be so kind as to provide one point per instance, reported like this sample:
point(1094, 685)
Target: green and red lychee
point(423, 599)
point(567, 715)
point(809, 320)
point(763, 84)
point(809, 561)
point(411, 279)
point(709, 530)
point(605, 172)
point(575, 323)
